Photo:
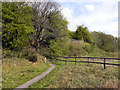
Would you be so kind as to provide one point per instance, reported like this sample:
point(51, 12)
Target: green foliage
point(43, 26)
point(49, 25)
point(32, 57)
point(88, 47)
point(25, 53)
point(6, 53)
point(71, 33)
point(52, 31)
point(16, 23)
point(105, 42)
point(58, 47)
point(77, 48)
point(74, 49)
point(82, 33)
point(65, 47)
point(55, 48)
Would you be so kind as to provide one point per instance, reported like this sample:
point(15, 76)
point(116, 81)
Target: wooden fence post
point(88, 60)
point(66, 62)
point(75, 61)
point(104, 63)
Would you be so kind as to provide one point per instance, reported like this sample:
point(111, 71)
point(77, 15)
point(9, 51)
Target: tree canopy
point(82, 33)
point(48, 22)
point(16, 24)
point(106, 42)
point(42, 26)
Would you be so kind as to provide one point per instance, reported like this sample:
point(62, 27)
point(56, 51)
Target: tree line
point(104, 41)
point(36, 24)
point(42, 26)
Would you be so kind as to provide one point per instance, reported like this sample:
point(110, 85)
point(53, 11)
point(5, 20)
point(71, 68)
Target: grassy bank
point(80, 76)
point(16, 71)
point(78, 48)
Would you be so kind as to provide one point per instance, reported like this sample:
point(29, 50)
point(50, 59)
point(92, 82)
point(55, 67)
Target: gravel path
point(34, 80)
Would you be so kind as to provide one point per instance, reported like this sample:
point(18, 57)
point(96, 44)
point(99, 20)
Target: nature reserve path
point(34, 80)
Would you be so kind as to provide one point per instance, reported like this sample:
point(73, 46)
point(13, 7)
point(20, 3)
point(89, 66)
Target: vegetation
point(42, 26)
point(79, 76)
point(78, 48)
point(32, 32)
point(82, 33)
point(17, 71)
point(105, 42)
point(48, 23)
point(16, 24)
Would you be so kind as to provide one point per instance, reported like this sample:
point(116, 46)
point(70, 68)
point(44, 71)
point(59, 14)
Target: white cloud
point(101, 17)
point(90, 7)
point(86, 0)
point(67, 13)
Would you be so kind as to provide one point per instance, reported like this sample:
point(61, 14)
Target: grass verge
point(79, 76)
point(17, 71)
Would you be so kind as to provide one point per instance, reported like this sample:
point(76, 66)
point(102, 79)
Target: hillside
point(78, 48)
point(34, 33)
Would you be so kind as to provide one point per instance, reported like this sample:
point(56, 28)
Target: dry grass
point(16, 71)
point(80, 76)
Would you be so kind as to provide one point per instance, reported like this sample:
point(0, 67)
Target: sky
point(97, 15)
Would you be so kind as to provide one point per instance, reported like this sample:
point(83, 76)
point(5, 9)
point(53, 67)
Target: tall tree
point(48, 22)
point(82, 33)
point(16, 24)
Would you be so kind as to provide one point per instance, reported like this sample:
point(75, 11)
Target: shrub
point(87, 47)
point(31, 57)
point(8, 53)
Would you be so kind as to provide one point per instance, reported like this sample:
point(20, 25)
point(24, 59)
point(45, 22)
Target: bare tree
point(47, 17)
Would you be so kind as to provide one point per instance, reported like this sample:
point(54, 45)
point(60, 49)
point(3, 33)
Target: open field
point(80, 75)
point(17, 71)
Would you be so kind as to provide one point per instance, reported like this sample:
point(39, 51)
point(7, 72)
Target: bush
point(31, 57)
point(87, 47)
point(8, 53)
point(25, 53)
point(28, 54)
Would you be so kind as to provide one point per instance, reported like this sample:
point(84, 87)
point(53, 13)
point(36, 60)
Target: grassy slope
point(85, 49)
point(82, 75)
point(17, 71)
point(79, 76)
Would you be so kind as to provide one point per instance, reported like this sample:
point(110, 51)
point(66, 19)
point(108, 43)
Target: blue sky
point(97, 15)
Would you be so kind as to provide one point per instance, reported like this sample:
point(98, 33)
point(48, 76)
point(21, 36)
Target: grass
point(79, 76)
point(78, 48)
point(17, 71)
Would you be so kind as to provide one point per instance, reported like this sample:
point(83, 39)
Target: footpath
point(34, 80)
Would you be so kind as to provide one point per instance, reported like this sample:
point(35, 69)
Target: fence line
point(88, 57)
point(104, 63)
